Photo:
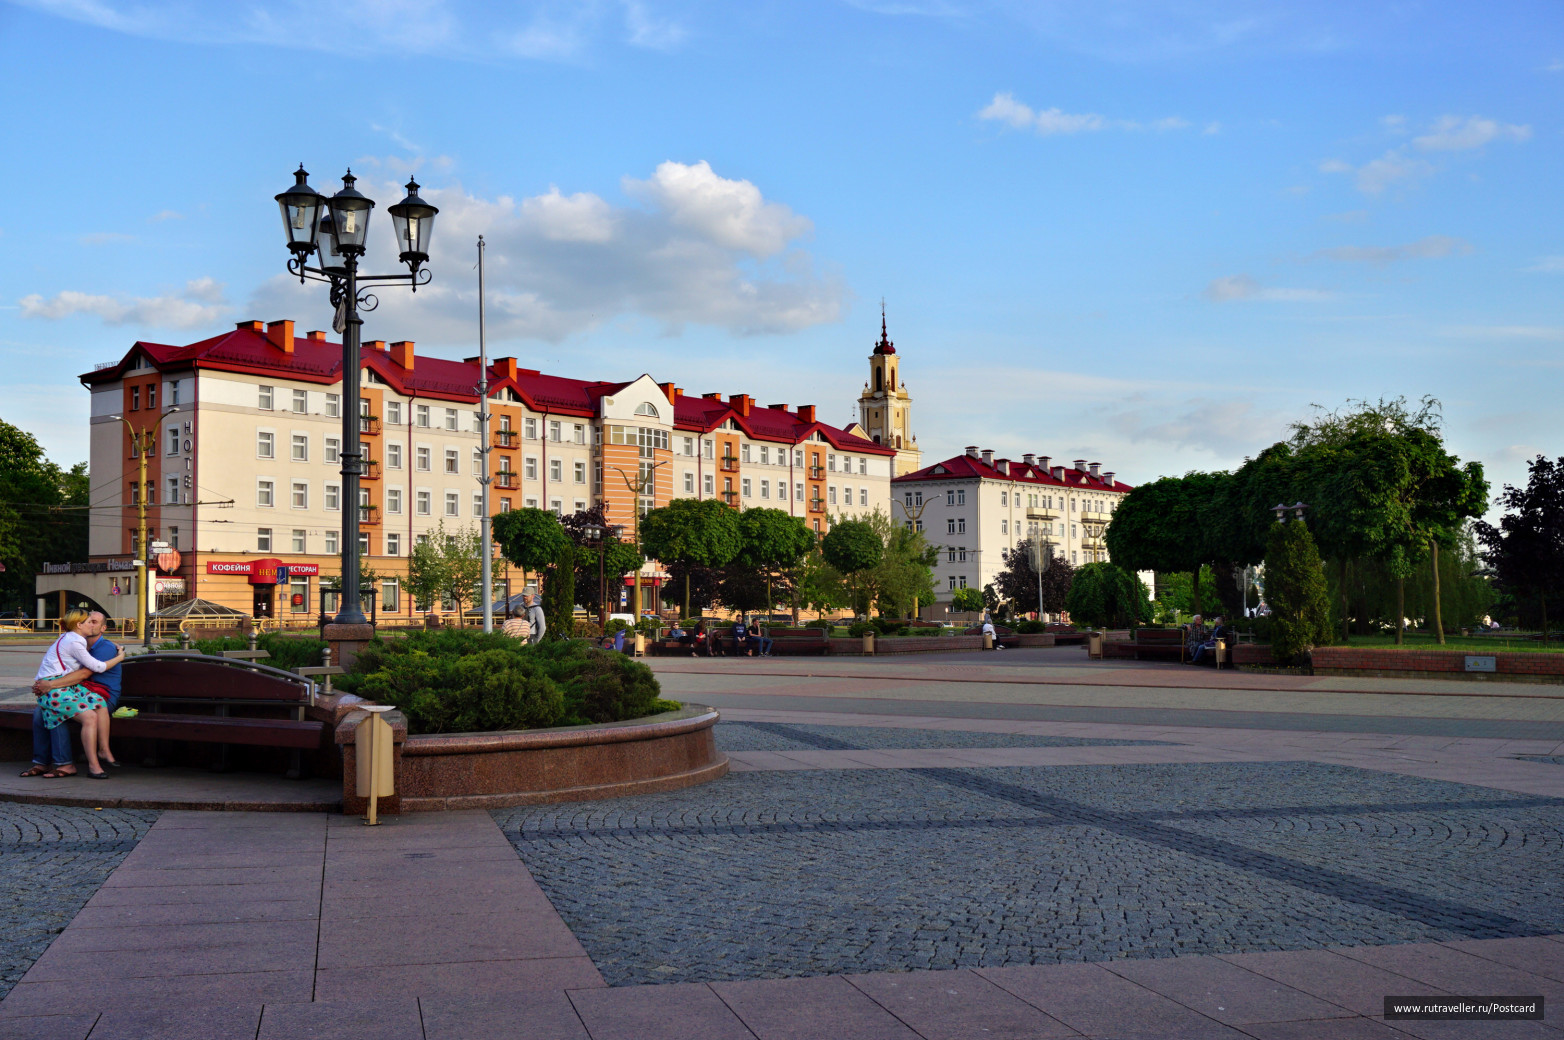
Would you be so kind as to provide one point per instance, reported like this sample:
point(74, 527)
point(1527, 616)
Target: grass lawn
point(1469, 644)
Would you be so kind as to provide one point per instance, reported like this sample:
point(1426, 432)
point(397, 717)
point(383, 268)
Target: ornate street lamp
point(335, 231)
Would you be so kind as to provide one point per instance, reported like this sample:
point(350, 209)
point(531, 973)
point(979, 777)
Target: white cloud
point(1213, 128)
point(1429, 248)
point(1548, 333)
point(1243, 287)
point(1388, 170)
point(647, 30)
point(1050, 121)
point(1199, 423)
point(103, 238)
point(1455, 134)
point(162, 215)
point(1394, 124)
point(199, 303)
point(698, 249)
point(1548, 265)
point(1335, 166)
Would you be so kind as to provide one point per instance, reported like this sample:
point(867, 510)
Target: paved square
point(769, 875)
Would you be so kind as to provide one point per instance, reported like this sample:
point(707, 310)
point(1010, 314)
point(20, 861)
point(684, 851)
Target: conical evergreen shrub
point(1295, 589)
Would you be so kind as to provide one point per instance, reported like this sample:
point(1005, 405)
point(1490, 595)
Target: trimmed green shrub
point(1029, 627)
point(287, 652)
point(1295, 588)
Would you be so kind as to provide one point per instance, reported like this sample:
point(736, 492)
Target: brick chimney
point(671, 392)
point(1080, 465)
point(1044, 461)
point(402, 353)
point(972, 450)
point(1029, 459)
point(375, 344)
point(742, 403)
point(506, 366)
point(249, 326)
point(778, 407)
point(1058, 472)
point(281, 335)
point(711, 397)
point(806, 412)
point(317, 335)
point(1107, 478)
point(988, 456)
point(1094, 468)
point(1003, 465)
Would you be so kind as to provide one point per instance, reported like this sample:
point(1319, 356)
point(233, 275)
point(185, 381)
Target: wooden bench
point(191, 697)
point(1160, 644)
point(797, 642)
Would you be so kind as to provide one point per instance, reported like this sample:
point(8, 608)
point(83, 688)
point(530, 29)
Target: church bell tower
point(885, 407)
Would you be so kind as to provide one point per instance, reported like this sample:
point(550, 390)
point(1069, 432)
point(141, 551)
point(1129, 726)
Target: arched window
point(645, 408)
point(876, 438)
point(879, 379)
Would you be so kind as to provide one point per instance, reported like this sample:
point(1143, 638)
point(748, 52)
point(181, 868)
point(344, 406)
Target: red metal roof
point(969, 467)
point(250, 351)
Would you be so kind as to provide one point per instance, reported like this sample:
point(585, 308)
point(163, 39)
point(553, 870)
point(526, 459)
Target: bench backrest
point(809, 634)
point(1160, 636)
point(177, 676)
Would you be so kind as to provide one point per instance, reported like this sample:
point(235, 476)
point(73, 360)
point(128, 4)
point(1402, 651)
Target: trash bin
point(1094, 642)
point(868, 643)
point(988, 640)
point(1223, 658)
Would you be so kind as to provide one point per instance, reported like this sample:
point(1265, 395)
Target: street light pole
point(913, 518)
point(145, 441)
point(484, 524)
point(335, 231)
point(636, 488)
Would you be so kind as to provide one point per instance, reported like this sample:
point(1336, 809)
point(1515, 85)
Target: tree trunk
point(1439, 620)
point(1401, 610)
point(686, 593)
point(1198, 608)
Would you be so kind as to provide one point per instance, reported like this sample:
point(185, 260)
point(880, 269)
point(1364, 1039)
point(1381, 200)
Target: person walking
point(77, 701)
point(535, 617)
point(52, 757)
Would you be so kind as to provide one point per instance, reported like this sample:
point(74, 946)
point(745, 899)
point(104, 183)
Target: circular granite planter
point(574, 763)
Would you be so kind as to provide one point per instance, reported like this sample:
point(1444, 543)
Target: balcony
point(369, 425)
point(731, 497)
point(730, 464)
point(816, 473)
point(506, 438)
point(371, 470)
point(1047, 516)
point(817, 505)
point(369, 516)
point(507, 480)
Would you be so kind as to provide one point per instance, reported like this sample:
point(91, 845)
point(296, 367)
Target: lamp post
point(145, 440)
point(1042, 553)
point(644, 483)
point(599, 535)
point(912, 519)
point(336, 229)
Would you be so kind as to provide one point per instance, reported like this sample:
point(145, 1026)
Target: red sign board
point(262, 572)
point(167, 562)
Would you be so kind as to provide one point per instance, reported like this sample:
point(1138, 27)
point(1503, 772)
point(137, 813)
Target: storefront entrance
point(263, 601)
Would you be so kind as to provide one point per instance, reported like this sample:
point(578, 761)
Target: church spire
point(885, 346)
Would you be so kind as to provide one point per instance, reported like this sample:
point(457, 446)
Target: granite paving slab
point(381, 1016)
point(957, 1005)
point(201, 1022)
point(810, 1009)
point(682, 1011)
point(1093, 1000)
point(545, 1015)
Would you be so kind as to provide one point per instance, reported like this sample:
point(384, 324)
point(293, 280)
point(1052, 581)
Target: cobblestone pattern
point(766, 874)
point(774, 736)
point(52, 860)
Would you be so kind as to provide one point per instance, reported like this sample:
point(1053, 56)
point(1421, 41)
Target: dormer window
point(646, 408)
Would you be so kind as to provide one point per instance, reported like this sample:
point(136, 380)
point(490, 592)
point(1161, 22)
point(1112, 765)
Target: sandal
point(97, 776)
point(34, 771)
point(56, 774)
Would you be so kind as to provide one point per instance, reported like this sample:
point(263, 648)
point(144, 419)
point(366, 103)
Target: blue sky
point(1145, 234)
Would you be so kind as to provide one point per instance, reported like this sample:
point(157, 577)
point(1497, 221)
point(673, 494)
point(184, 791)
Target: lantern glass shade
point(413, 220)
point(301, 207)
point(350, 218)
point(331, 260)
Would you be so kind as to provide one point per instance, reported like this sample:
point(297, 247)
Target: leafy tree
point(532, 539)
point(463, 556)
point(692, 531)
point(1105, 595)
point(1526, 549)
point(559, 594)
point(1176, 592)
point(818, 585)
point(904, 575)
point(773, 542)
point(1295, 589)
point(619, 557)
point(851, 547)
point(1018, 582)
point(1166, 526)
point(426, 578)
point(43, 514)
point(967, 599)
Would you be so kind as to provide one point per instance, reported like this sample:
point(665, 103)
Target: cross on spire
point(885, 346)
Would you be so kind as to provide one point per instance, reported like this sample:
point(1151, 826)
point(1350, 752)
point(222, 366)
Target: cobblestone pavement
point(771, 736)
point(765, 875)
point(52, 859)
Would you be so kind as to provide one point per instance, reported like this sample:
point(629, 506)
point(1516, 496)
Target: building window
point(263, 398)
point(580, 432)
point(331, 543)
point(452, 461)
point(1004, 527)
point(333, 450)
point(505, 505)
point(389, 588)
point(422, 503)
point(393, 544)
point(950, 526)
point(708, 448)
point(393, 456)
point(950, 555)
point(265, 445)
point(1075, 557)
point(298, 540)
point(477, 504)
point(556, 471)
point(765, 489)
point(263, 539)
point(453, 503)
point(135, 399)
point(708, 484)
point(421, 457)
point(450, 418)
point(301, 494)
point(553, 429)
point(744, 487)
point(950, 498)
point(421, 415)
point(830, 462)
point(301, 448)
point(581, 473)
point(529, 467)
point(393, 500)
point(689, 446)
point(477, 462)
point(961, 496)
point(301, 401)
point(556, 507)
point(798, 491)
point(334, 405)
point(152, 396)
point(743, 452)
point(532, 503)
point(962, 581)
point(263, 492)
point(831, 494)
point(689, 481)
point(863, 497)
point(529, 429)
point(173, 491)
point(135, 494)
point(961, 525)
point(394, 413)
point(363, 543)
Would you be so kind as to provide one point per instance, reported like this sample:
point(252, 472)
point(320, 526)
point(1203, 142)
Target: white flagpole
point(487, 578)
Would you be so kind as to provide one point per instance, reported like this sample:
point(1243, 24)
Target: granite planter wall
point(1515, 666)
point(436, 771)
